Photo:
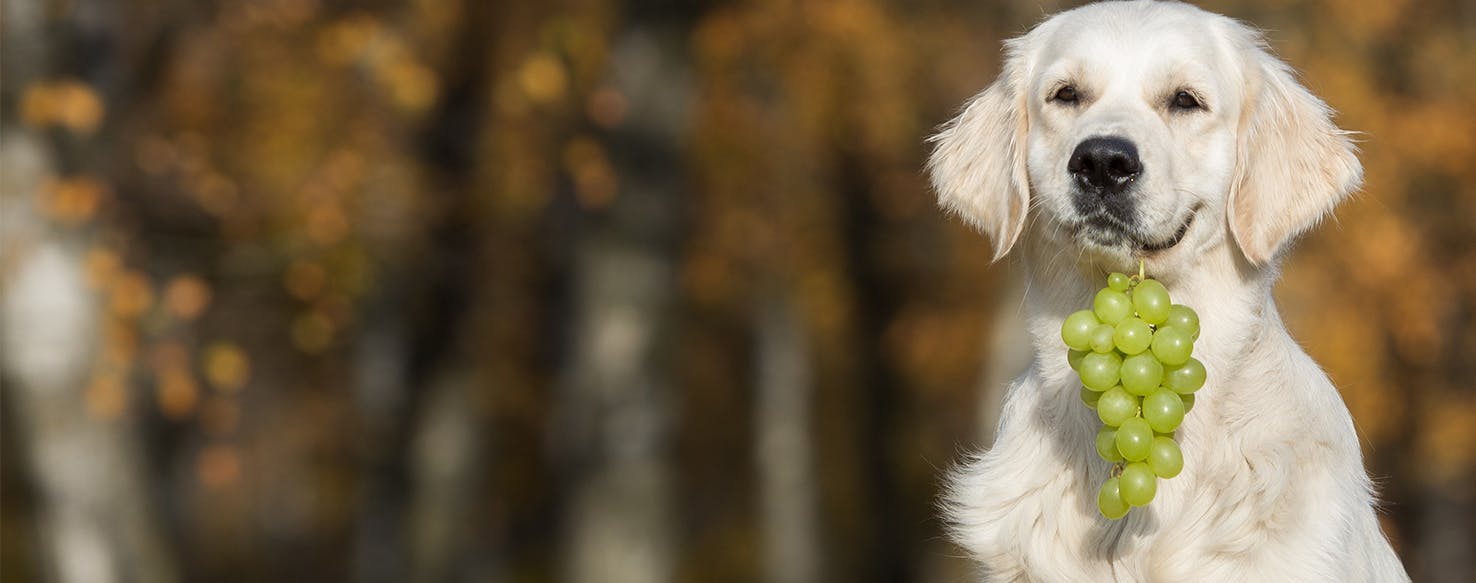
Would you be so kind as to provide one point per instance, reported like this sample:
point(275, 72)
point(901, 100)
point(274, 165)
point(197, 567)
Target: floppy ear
point(978, 164)
point(1294, 165)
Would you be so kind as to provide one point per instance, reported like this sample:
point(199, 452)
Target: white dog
point(1156, 130)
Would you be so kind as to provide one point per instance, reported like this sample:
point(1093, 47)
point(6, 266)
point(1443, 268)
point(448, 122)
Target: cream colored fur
point(1273, 487)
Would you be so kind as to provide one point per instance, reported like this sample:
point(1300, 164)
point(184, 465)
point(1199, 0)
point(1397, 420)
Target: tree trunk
point(786, 471)
point(95, 519)
point(616, 406)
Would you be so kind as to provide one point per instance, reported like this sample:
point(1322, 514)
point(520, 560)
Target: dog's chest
point(1051, 531)
point(1031, 507)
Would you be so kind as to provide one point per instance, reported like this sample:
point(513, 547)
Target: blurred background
point(592, 290)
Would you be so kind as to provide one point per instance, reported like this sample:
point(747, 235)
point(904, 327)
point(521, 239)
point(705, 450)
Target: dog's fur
point(1273, 486)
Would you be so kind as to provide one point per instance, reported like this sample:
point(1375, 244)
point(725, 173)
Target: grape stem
point(1141, 269)
point(1115, 471)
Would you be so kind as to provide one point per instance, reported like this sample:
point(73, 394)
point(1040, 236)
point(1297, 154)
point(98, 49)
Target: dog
point(1158, 131)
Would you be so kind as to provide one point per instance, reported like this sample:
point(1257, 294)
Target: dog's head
point(1144, 129)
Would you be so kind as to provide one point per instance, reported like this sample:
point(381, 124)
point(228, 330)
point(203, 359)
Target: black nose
point(1105, 165)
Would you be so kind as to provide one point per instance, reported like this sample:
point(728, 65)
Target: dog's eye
point(1185, 100)
point(1066, 94)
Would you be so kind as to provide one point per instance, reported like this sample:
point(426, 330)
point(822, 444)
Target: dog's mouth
point(1109, 231)
point(1156, 246)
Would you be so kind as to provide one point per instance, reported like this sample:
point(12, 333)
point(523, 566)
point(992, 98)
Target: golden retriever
point(1156, 130)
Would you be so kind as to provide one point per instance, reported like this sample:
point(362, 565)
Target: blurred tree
point(73, 408)
point(617, 399)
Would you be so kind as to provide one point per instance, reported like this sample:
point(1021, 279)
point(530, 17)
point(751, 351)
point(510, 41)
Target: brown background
point(498, 291)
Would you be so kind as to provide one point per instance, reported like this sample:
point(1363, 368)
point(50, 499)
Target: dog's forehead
point(1117, 36)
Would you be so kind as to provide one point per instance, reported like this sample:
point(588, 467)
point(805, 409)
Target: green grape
point(1111, 306)
point(1073, 358)
point(1099, 370)
point(1090, 397)
point(1107, 445)
point(1137, 484)
point(1133, 438)
point(1102, 338)
point(1076, 331)
point(1140, 374)
point(1163, 410)
point(1132, 336)
point(1171, 345)
point(1185, 378)
point(1118, 281)
point(1188, 402)
point(1109, 500)
point(1116, 406)
point(1151, 300)
point(1164, 457)
point(1184, 318)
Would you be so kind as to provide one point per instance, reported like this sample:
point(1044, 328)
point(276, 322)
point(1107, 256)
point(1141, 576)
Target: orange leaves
point(100, 266)
point(305, 279)
point(65, 103)
point(347, 40)
point(130, 295)
point(542, 78)
point(606, 107)
point(410, 83)
point(177, 394)
point(106, 397)
point(1447, 441)
point(218, 466)
point(72, 201)
point(327, 224)
point(187, 296)
point(595, 182)
point(412, 86)
point(227, 367)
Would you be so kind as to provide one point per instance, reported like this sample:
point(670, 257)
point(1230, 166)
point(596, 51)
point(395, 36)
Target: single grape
point(1184, 318)
point(1099, 370)
point(1107, 445)
point(1185, 378)
point(1118, 281)
point(1073, 358)
point(1151, 301)
point(1137, 484)
point(1171, 345)
point(1116, 406)
point(1133, 438)
point(1132, 336)
point(1164, 457)
point(1163, 410)
point(1109, 500)
point(1076, 331)
point(1140, 374)
point(1188, 402)
point(1111, 306)
point(1090, 397)
point(1102, 338)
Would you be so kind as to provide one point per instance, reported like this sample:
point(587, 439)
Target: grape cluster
point(1132, 352)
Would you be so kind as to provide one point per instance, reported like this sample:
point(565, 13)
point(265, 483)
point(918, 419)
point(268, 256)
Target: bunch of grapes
point(1132, 352)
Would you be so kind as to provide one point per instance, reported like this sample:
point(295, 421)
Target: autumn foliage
point(329, 242)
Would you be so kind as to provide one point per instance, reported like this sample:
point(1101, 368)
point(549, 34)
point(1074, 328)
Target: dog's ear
point(978, 162)
point(1293, 164)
